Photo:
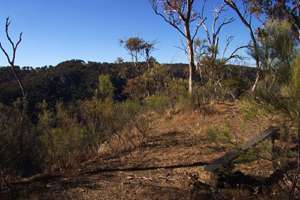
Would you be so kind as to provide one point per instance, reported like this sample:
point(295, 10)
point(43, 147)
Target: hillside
point(157, 123)
point(114, 131)
point(164, 161)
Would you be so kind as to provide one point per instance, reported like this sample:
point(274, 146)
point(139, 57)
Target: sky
point(59, 30)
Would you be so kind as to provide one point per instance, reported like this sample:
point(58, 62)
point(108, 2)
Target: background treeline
point(76, 80)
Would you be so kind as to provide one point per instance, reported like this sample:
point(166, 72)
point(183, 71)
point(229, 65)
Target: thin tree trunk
point(256, 81)
point(136, 58)
point(192, 67)
point(190, 80)
point(18, 81)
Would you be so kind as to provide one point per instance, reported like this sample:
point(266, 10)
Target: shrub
point(61, 136)
point(125, 112)
point(20, 151)
point(154, 81)
point(157, 103)
point(105, 88)
point(219, 135)
point(232, 88)
point(177, 92)
point(251, 109)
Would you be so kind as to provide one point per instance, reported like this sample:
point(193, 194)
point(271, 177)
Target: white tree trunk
point(256, 82)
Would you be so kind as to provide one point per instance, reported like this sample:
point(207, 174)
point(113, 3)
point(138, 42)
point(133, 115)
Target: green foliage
point(157, 103)
point(74, 80)
point(294, 88)
point(137, 46)
point(105, 88)
point(219, 135)
point(246, 157)
point(79, 110)
point(133, 44)
point(126, 112)
point(60, 134)
point(177, 91)
point(285, 97)
point(96, 115)
point(153, 81)
point(276, 51)
point(251, 109)
point(210, 92)
point(19, 143)
point(234, 87)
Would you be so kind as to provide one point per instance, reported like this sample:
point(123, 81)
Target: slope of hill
point(163, 161)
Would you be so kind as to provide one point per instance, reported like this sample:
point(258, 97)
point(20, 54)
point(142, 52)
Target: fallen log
point(230, 157)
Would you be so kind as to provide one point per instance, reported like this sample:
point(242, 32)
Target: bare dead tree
point(182, 15)
point(148, 48)
point(246, 18)
point(11, 59)
point(210, 51)
point(234, 54)
point(212, 36)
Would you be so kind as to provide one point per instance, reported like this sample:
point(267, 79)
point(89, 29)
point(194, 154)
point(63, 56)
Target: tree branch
point(155, 9)
point(234, 55)
point(11, 60)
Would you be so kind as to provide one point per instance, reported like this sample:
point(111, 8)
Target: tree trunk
point(192, 67)
point(256, 81)
point(136, 58)
point(190, 80)
point(18, 79)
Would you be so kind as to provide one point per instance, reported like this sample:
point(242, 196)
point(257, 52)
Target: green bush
point(105, 88)
point(125, 112)
point(219, 135)
point(61, 135)
point(249, 156)
point(177, 92)
point(157, 103)
point(251, 109)
point(232, 88)
point(153, 81)
point(20, 149)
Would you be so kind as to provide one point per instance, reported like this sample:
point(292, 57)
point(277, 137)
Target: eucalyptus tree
point(288, 10)
point(134, 46)
point(137, 47)
point(187, 20)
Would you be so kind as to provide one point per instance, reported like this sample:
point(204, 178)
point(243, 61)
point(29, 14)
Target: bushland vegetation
point(64, 113)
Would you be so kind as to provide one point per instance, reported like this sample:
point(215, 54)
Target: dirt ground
point(165, 162)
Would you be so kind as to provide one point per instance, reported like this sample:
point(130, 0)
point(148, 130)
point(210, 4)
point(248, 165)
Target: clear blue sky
point(58, 30)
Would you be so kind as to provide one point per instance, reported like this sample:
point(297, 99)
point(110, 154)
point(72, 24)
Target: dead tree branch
point(11, 59)
point(246, 19)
